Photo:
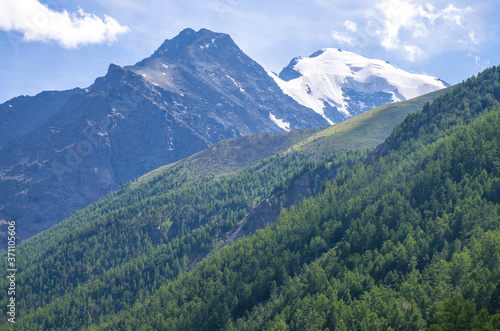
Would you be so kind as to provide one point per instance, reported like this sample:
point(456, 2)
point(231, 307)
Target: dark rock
point(195, 90)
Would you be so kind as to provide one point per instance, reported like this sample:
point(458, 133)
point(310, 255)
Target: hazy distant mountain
point(195, 90)
point(339, 84)
point(20, 115)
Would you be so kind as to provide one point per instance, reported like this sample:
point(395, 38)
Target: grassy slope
point(366, 130)
point(230, 156)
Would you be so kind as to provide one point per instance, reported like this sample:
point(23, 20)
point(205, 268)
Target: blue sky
point(61, 44)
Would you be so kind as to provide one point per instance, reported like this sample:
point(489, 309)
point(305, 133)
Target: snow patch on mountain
point(279, 122)
point(236, 83)
point(295, 90)
point(339, 84)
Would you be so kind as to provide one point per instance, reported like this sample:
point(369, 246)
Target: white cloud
point(454, 14)
point(410, 27)
point(480, 63)
point(37, 22)
point(351, 26)
point(472, 38)
point(412, 52)
point(343, 38)
point(416, 29)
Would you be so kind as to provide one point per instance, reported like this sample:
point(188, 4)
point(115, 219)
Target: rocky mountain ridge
point(181, 100)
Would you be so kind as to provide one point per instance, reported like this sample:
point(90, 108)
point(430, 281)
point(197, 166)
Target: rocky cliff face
point(195, 90)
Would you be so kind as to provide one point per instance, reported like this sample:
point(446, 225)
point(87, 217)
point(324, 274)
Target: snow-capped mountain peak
point(339, 84)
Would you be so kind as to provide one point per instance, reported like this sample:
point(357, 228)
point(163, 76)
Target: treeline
point(460, 106)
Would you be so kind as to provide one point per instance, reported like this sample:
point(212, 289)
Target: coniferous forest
point(404, 236)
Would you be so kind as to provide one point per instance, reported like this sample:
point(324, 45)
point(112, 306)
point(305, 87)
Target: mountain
point(402, 236)
point(197, 204)
point(231, 156)
point(23, 114)
point(339, 84)
point(365, 130)
point(210, 67)
point(194, 91)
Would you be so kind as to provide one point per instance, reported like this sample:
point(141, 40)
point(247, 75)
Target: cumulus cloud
point(351, 26)
point(37, 22)
point(412, 27)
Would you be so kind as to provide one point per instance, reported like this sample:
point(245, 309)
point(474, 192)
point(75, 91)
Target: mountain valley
point(195, 190)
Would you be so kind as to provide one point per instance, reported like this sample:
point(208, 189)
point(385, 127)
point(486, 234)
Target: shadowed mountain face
point(195, 90)
point(20, 115)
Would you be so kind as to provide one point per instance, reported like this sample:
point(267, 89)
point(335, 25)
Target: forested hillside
point(410, 241)
point(406, 236)
point(93, 252)
point(124, 247)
